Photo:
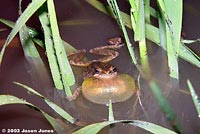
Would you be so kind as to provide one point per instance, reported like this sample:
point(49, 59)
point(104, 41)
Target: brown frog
point(101, 80)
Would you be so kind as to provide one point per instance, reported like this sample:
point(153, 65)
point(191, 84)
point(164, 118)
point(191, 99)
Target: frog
point(101, 80)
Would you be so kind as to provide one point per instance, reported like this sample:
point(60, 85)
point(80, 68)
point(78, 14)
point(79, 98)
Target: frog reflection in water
point(101, 80)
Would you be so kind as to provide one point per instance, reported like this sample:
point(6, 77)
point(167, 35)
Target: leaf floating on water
point(153, 128)
point(96, 127)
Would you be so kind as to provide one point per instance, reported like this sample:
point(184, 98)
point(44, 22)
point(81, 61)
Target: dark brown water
point(96, 29)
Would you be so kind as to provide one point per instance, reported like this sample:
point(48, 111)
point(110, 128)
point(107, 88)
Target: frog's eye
point(96, 71)
point(114, 69)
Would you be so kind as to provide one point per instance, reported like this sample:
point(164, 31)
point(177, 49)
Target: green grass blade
point(139, 33)
point(190, 51)
point(174, 10)
point(162, 33)
point(60, 111)
point(7, 23)
point(152, 33)
point(194, 97)
point(147, 10)
point(171, 13)
point(165, 107)
point(172, 56)
point(27, 44)
point(55, 107)
point(115, 9)
point(31, 31)
point(49, 46)
point(29, 89)
point(29, 11)
point(134, 13)
point(93, 128)
point(190, 41)
point(64, 66)
point(96, 127)
point(188, 55)
point(110, 114)
point(50, 119)
point(153, 128)
point(59, 126)
point(25, 38)
point(9, 99)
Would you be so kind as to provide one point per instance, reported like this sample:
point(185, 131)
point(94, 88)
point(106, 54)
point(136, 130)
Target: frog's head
point(101, 70)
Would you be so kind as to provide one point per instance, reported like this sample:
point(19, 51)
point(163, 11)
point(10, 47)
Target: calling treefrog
point(101, 80)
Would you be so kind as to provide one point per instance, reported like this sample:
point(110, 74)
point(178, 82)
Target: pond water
point(88, 28)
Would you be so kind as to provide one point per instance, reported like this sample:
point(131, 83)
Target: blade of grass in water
point(28, 45)
point(31, 31)
point(9, 100)
point(29, 11)
point(26, 41)
point(147, 9)
point(49, 46)
point(171, 14)
point(172, 55)
point(55, 107)
point(194, 97)
point(192, 52)
point(174, 11)
point(190, 41)
point(162, 33)
point(117, 14)
point(64, 66)
point(110, 113)
point(165, 107)
point(138, 21)
point(96, 127)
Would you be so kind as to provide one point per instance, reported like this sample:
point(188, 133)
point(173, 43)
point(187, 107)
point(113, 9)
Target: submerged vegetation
point(167, 35)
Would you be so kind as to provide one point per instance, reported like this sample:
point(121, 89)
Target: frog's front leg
point(75, 94)
point(76, 58)
point(109, 50)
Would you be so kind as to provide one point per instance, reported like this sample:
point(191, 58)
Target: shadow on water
point(94, 31)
